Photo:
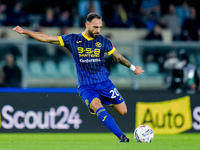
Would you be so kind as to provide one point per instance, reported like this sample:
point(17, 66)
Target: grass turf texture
point(94, 141)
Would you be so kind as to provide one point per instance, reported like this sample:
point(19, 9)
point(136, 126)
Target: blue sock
point(108, 121)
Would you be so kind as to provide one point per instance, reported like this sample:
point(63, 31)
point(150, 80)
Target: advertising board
point(165, 112)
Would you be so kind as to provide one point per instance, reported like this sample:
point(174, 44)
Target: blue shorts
point(105, 91)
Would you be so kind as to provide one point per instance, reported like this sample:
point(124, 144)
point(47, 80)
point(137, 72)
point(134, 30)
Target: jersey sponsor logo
point(88, 55)
point(78, 41)
point(88, 52)
point(89, 60)
point(98, 44)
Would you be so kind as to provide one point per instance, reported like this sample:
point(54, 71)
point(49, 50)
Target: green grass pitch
point(94, 141)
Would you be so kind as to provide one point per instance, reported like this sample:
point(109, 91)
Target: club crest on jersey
point(98, 44)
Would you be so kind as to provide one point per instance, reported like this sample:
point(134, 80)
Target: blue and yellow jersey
point(88, 54)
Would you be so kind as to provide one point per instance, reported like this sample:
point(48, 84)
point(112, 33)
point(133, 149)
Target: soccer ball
point(144, 134)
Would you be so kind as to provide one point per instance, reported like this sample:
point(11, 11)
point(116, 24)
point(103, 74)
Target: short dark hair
point(93, 15)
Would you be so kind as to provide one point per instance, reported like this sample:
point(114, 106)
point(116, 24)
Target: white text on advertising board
point(196, 116)
point(60, 118)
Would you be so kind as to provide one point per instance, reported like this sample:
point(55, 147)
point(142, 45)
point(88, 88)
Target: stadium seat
point(66, 68)
point(50, 69)
point(35, 69)
point(120, 71)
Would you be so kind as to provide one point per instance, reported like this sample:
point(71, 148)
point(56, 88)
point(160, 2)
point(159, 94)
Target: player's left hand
point(138, 70)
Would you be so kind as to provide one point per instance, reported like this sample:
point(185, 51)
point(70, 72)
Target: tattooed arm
point(119, 58)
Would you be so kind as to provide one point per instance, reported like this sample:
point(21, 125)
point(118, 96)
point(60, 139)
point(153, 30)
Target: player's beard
point(91, 34)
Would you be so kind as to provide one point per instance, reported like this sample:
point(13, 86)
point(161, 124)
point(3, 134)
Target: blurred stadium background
point(127, 24)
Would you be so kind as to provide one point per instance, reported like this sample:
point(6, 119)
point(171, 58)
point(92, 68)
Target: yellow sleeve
point(110, 52)
point(61, 41)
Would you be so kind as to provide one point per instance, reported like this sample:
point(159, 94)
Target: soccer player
point(94, 85)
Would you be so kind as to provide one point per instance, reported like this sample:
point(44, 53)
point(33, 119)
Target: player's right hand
point(18, 29)
point(138, 70)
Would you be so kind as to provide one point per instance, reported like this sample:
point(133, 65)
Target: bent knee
point(123, 112)
point(95, 105)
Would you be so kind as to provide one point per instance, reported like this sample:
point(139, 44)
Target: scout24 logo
point(60, 118)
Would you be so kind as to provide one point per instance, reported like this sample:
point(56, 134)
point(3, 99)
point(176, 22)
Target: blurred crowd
point(180, 16)
point(10, 72)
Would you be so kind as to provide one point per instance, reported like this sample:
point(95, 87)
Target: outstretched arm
point(119, 58)
point(42, 37)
